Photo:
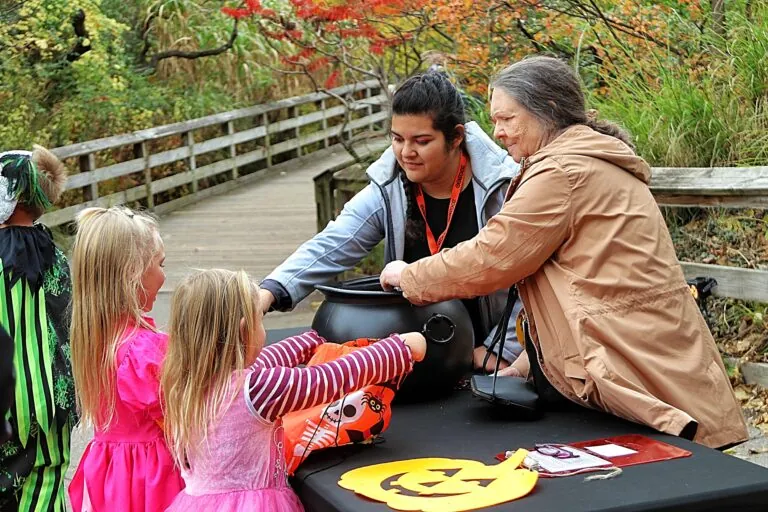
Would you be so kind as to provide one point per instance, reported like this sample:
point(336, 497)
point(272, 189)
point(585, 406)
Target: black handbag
point(513, 393)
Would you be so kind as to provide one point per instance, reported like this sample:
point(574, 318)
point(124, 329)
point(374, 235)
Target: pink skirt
point(135, 476)
point(261, 500)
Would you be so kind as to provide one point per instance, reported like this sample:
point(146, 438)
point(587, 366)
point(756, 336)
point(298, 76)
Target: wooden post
point(189, 141)
point(324, 198)
point(88, 164)
point(230, 130)
point(141, 151)
point(267, 145)
point(325, 123)
point(293, 113)
point(351, 113)
point(368, 95)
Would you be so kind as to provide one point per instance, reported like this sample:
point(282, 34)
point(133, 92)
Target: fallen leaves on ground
point(754, 402)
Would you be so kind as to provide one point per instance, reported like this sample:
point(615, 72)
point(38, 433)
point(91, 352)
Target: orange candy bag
point(357, 417)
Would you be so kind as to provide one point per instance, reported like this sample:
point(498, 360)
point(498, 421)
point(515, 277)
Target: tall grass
point(711, 114)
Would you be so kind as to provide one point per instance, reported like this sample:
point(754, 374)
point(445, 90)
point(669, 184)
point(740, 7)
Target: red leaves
point(378, 46)
point(339, 13)
point(318, 64)
point(333, 80)
point(294, 34)
point(345, 34)
point(236, 13)
point(306, 53)
point(251, 8)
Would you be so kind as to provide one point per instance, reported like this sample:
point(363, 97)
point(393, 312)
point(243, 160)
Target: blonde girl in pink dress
point(226, 393)
point(116, 356)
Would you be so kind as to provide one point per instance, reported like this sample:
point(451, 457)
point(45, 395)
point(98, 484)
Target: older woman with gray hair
point(610, 323)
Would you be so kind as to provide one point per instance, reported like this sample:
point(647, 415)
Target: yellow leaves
point(118, 83)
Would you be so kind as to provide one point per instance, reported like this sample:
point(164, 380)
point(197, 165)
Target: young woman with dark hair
point(436, 186)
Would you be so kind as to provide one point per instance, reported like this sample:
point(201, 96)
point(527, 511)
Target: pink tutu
point(140, 476)
point(239, 467)
point(262, 500)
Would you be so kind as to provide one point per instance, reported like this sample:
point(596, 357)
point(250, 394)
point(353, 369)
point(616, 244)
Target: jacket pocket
point(577, 376)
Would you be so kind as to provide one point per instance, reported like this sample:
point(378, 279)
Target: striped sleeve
point(272, 392)
point(290, 352)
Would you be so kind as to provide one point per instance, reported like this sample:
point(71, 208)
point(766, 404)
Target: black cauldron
point(360, 308)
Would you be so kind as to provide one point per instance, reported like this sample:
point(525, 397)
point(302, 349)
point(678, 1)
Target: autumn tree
point(333, 41)
point(607, 35)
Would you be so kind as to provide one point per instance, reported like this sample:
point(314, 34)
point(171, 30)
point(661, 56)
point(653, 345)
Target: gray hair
point(550, 90)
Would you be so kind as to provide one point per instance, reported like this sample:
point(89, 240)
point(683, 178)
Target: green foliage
point(705, 106)
point(477, 110)
point(50, 97)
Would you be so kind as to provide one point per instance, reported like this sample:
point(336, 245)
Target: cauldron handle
point(439, 328)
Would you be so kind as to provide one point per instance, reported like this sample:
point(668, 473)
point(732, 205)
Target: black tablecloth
point(463, 427)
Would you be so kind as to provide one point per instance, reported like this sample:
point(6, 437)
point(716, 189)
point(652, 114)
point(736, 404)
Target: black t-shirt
point(463, 227)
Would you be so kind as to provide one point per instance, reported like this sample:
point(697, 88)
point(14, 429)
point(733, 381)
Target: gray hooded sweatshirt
point(378, 212)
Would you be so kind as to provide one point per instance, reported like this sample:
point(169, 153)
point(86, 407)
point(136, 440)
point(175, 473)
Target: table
point(463, 427)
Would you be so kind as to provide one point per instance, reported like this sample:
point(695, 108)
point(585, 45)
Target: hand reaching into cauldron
point(390, 276)
point(417, 343)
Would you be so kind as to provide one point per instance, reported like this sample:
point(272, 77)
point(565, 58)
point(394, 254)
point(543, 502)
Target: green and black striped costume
point(35, 291)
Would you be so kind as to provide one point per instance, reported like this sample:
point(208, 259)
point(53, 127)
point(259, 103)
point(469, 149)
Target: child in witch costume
point(34, 298)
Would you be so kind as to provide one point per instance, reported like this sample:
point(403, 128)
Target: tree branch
point(180, 54)
point(80, 48)
point(145, 30)
point(346, 143)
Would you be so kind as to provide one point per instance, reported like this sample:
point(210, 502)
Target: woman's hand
point(490, 366)
point(266, 299)
point(390, 276)
point(417, 343)
point(510, 371)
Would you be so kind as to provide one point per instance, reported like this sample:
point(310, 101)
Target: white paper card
point(611, 450)
point(555, 465)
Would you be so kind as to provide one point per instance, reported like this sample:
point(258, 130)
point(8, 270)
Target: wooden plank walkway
point(253, 227)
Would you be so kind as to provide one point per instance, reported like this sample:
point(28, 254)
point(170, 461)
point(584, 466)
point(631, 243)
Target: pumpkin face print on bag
point(357, 417)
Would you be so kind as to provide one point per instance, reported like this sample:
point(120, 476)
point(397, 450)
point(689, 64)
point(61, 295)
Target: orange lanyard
point(458, 184)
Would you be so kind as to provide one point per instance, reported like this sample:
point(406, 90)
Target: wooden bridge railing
point(730, 187)
point(212, 154)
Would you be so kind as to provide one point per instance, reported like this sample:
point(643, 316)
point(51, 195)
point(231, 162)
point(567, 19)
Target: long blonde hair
point(113, 248)
point(204, 349)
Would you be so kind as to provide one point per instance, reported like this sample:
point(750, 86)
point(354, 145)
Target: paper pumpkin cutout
point(442, 485)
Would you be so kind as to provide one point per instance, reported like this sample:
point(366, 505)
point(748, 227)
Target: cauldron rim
point(345, 289)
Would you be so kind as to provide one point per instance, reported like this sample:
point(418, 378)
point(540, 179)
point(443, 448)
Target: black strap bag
point(513, 393)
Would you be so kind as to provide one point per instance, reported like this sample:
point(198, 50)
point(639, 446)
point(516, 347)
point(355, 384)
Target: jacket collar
point(580, 141)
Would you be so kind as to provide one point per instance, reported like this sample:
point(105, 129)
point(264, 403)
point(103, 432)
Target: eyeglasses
point(552, 450)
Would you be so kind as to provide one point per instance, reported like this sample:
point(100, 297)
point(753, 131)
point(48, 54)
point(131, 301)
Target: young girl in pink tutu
point(225, 392)
point(116, 357)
